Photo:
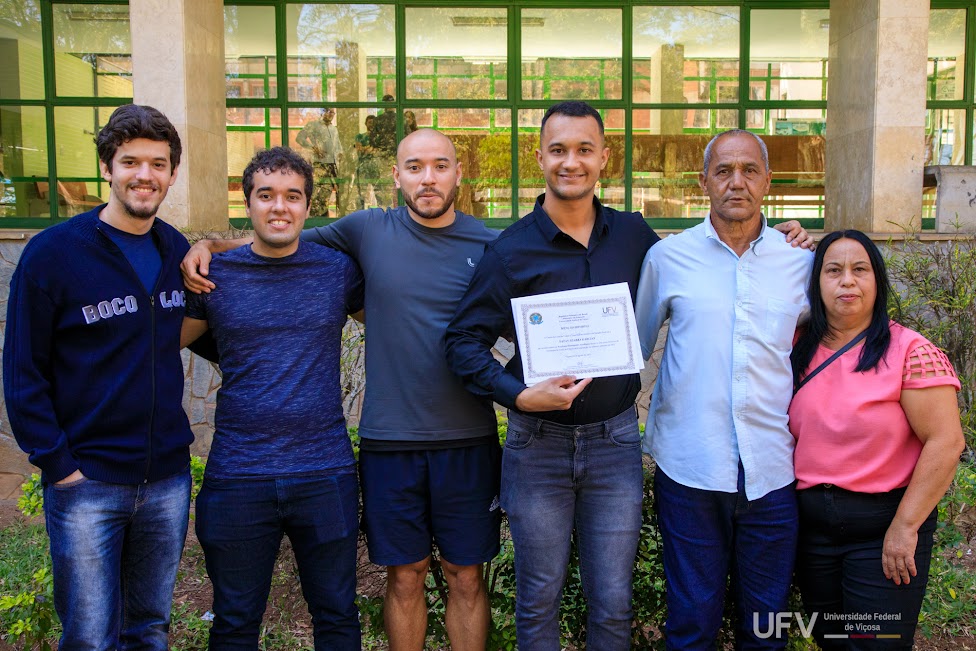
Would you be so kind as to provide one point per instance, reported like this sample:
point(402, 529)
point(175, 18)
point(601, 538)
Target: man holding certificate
point(572, 459)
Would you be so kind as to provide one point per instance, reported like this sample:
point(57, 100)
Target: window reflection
point(946, 54)
point(22, 73)
point(456, 53)
point(667, 157)
point(340, 52)
point(945, 136)
point(249, 52)
point(686, 54)
point(80, 185)
point(788, 54)
point(571, 54)
point(23, 143)
point(92, 51)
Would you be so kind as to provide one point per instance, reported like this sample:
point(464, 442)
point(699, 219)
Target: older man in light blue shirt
point(734, 291)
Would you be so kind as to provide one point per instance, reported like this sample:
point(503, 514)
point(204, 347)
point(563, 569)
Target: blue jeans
point(557, 478)
point(115, 550)
point(708, 534)
point(240, 524)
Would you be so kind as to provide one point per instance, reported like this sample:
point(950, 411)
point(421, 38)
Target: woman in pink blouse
point(877, 442)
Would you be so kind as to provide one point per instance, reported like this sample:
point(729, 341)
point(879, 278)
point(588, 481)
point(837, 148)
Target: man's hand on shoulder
point(553, 394)
point(196, 265)
point(796, 234)
point(196, 262)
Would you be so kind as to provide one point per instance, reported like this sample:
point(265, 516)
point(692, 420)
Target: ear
point(701, 182)
point(172, 178)
point(538, 157)
point(106, 172)
point(604, 157)
point(396, 177)
point(458, 183)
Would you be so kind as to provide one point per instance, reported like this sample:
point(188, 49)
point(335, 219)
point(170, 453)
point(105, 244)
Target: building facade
point(853, 97)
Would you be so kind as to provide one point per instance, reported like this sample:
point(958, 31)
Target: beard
point(146, 211)
point(433, 213)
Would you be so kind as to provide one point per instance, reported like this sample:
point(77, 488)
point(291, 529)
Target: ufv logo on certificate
point(589, 332)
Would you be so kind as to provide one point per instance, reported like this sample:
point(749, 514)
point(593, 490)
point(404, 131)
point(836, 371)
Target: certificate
point(589, 332)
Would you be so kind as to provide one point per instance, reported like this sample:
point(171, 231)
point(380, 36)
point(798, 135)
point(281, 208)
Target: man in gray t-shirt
point(430, 459)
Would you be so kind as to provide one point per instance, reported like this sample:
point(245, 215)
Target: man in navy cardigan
point(94, 384)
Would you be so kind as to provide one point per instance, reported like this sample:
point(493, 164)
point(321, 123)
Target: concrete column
point(876, 114)
point(180, 71)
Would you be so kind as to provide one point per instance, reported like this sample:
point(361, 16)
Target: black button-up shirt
point(533, 257)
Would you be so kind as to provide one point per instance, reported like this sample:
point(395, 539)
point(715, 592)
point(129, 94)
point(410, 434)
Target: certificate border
point(527, 356)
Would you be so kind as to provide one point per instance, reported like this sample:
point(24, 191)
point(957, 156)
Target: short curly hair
point(272, 160)
point(131, 121)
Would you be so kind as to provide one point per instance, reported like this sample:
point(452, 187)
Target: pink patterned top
point(850, 428)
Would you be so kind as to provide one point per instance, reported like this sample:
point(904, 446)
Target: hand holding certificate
point(589, 332)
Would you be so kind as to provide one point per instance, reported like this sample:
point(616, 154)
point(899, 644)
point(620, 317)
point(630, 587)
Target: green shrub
point(31, 500)
point(27, 603)
point(935, 295)
point(950, 600)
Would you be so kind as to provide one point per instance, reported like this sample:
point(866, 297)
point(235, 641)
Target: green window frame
point(967, 103)
point(514, 103)
point(380, 73)
point(49, 103)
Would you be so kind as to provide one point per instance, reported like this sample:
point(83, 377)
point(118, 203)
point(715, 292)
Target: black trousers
point(839, 572)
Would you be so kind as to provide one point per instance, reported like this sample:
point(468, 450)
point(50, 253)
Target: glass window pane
point(372, 179)
point(460, 52)
point(667, 157)
point(326, 138)
point(75, 197)
point(610, 189)
point(571, 53)
point(92, 52)
point(945, 136)
point(80, 185)
point(249, 130)
point(23, 143)
point(947, 54)
point(686, 54)
point(340, 52)
point(797, 150)
point(788, 54)
point(249, 52)
point(74, 139)
point(22, 72)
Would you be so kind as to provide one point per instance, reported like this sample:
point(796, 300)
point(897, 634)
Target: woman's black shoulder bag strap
point(853, 342)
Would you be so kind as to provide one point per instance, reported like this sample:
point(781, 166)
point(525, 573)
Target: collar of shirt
point(710, 233)
point(549, 229)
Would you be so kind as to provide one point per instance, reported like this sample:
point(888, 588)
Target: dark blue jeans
point(115, 551)
point(839, 572)
point(558, 478)
point(240, 524)
point(706, 536)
